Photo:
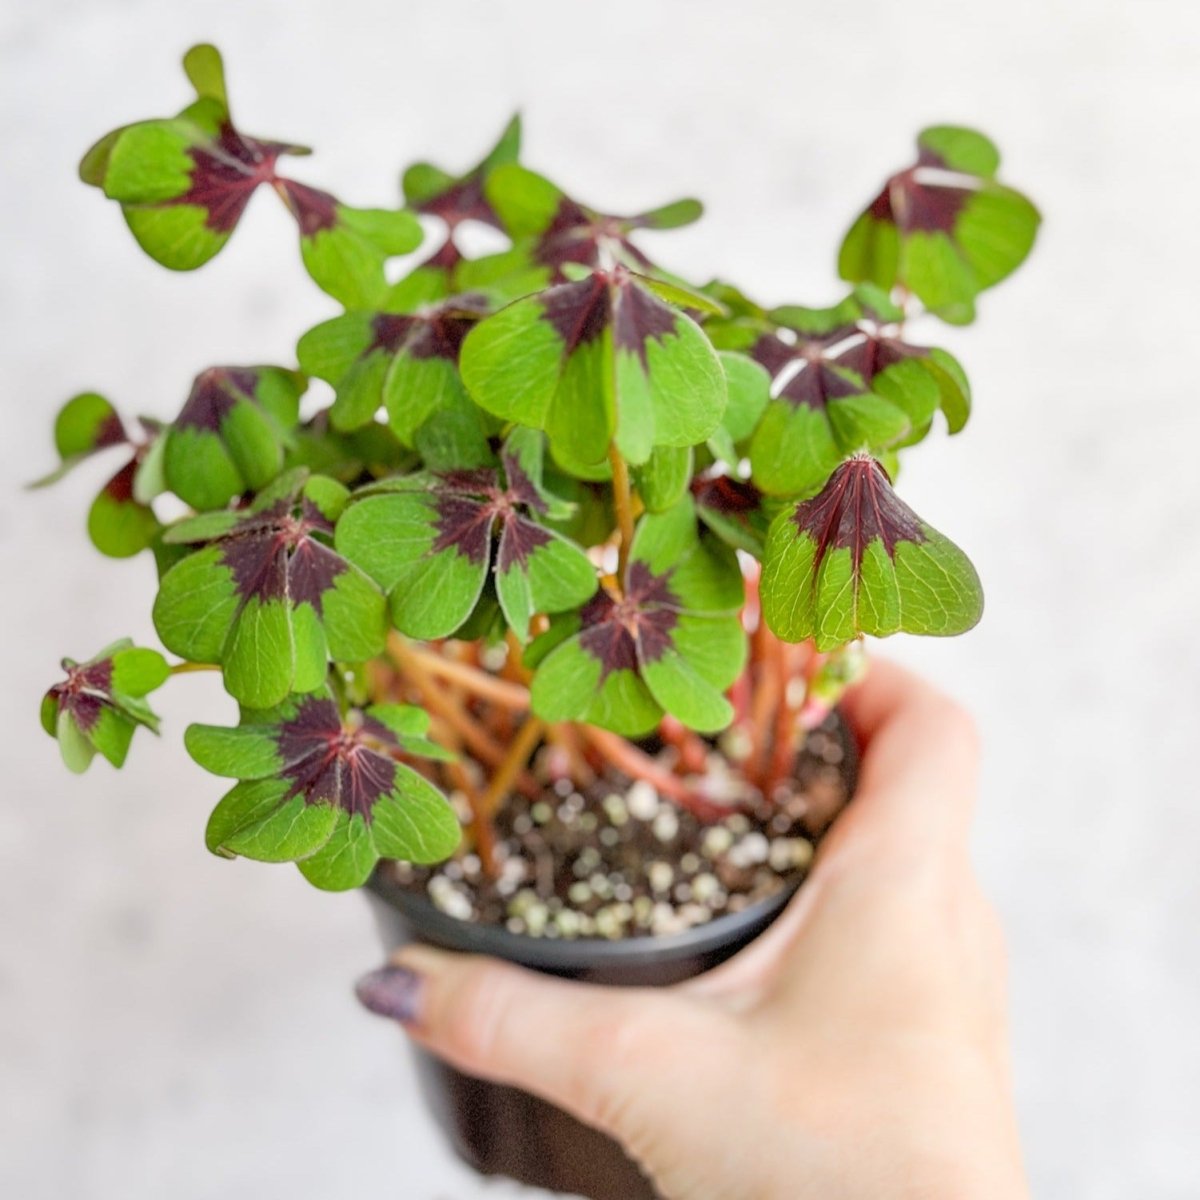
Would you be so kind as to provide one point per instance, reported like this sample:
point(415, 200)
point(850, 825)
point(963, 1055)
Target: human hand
point(858, 1049)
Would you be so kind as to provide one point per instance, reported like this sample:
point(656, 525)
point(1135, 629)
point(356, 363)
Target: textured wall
point(173, 1025)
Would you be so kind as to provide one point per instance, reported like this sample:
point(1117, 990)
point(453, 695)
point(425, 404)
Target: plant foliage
point(561, 446)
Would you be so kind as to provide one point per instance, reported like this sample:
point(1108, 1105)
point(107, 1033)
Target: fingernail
point(393, 992)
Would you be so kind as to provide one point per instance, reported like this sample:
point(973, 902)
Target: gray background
point(173, 1025)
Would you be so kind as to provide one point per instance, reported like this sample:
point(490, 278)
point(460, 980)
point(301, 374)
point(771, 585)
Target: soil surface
point(617, 860)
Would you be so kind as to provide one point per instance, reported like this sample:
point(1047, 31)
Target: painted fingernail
point(393, 992)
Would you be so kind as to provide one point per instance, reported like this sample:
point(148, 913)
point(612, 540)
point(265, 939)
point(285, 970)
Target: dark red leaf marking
point(469, 503)
point(726, 495)
point(521, 488)
point(916, 206)
point(519, 538)
point(436, 332)
point(86, 691)
point(638, 317)
point(214, 394)
point(856, 507)
point(635, 630)
point(337, 763)
point(110, 432)
point(273, 555)
point(823, 361)
point(313, 209)
point(461, 201)
point(580, 312)
point(225, 174)
point(577, 234)
point(120, 487)
point(465, 525)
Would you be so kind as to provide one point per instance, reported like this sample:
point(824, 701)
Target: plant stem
point(623, 507)
point(523, 745)
point(483, 685)
point(482, 831)
point(439, 702)
point(784, 740)
point(186, 668)
point(635, 763)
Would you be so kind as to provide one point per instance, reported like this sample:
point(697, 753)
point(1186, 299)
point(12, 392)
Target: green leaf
point(664, 479)
point(959, 149)
point(431, 542)
point(404, 362)
point(856, 560)
point(85, 425)
point(430, 190)
point(599, 360)
point(344, 249)
point(118, 525)
point(672, 641)
point(101, 702)
point(231, 435)
point(944, 228)
point(267, 598)
point(184, 182)
point(326, 790)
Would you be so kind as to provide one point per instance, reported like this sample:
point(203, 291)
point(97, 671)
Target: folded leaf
point(943, 228)
point(557, 231)
point(231, 434)
point(855, 560)
point(101, 702)
point(404, 362)
point(344, 249)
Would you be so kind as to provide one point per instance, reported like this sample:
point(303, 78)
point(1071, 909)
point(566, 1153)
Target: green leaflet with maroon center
point(594, 361)
point(120, 521)
point(942, 228)
point(454, 200)
point(431, 540)
point(100, 703)
point(670, 641)
point(266, 595)
point(557, 231)
point(184, 182)
point(842, 380)
point(231, 433)
point(404, 362)
point(856, 560)
point(333, 793)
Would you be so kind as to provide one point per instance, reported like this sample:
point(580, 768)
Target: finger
point(606, 1055)
point(918, 777)
point(909, 817)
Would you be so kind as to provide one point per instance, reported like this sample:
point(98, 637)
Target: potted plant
point(537, 628)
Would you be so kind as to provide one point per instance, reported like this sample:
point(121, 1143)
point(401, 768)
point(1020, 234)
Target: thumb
point(606, 1055)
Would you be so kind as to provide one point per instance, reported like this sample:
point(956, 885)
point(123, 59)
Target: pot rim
point(579, 954)
point(558, 954)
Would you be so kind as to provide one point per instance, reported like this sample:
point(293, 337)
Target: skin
point(857, 1051)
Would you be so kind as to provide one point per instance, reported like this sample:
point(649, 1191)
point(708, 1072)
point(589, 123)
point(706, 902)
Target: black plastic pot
point(503, 1131)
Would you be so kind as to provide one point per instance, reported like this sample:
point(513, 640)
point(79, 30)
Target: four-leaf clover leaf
point(332, 793)
point(856, 559)
point(267, 596)
point(432, 540)
point(670, 641)
point(102, 701)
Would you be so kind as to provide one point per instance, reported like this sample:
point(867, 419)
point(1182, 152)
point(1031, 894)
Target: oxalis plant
point(560, 497)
